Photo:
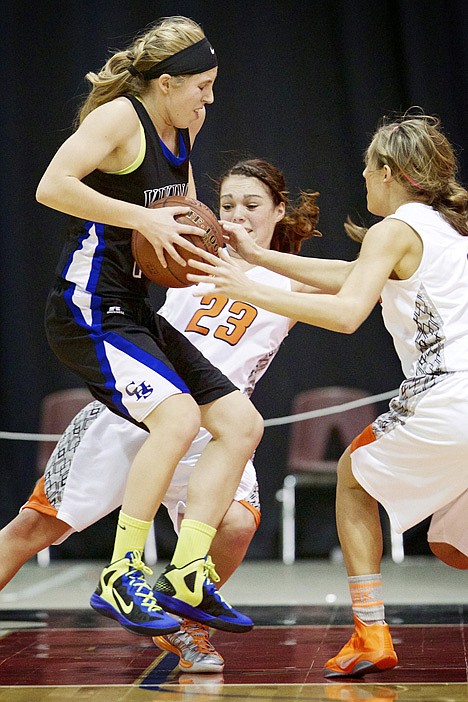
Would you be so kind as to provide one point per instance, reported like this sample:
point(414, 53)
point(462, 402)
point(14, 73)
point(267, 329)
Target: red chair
point(308, 443)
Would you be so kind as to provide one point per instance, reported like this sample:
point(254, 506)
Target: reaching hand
point(239, 239)
point(225, 275)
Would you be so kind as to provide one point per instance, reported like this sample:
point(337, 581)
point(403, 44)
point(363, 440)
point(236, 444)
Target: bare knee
point(235, 418)
point(232, 540)
point(177, 418)
point(244, 421)
point(24, 526)
point(344, 471)
point(31, 531)
point(238, 526)
point(449, 555)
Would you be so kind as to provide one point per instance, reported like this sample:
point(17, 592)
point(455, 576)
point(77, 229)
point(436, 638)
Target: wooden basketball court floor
point(53, 647)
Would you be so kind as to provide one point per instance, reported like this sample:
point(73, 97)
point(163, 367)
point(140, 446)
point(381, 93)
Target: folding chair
point(307, 462)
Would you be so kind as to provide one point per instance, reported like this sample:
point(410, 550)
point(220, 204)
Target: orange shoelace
point(199, 633)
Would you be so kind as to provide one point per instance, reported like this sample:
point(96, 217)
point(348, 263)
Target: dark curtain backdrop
point(300, 83)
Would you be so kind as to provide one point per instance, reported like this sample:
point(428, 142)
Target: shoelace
point(142, 589)
point(213, 577)
point(199, 633)
point(209, 570)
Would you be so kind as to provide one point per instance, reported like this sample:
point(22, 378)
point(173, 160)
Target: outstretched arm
point(385, 245)
point(327, 275)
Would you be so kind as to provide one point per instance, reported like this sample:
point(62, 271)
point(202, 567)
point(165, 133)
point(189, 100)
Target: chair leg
point(289, 519)
point(397, 547)
point(151, 552)
point(43, 558)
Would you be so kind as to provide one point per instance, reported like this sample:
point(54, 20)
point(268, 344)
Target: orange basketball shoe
point(369, 650)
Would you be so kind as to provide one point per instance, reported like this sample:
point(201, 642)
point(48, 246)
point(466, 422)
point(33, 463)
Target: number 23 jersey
point(216, 325)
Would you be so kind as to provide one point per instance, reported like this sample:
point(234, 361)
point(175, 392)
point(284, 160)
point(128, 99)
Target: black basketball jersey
point(97, 258)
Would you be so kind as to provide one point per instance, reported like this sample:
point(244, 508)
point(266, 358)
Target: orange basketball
point(174, 275)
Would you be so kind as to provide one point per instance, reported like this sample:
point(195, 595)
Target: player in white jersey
point(86, 475)
point(412, 459)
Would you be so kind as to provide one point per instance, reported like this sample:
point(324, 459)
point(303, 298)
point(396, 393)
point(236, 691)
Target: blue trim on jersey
point(88, 314)
point(94, 269)
point(172, 158)
point(96, 335)
point(78, 316)
point(147, 359)
point(117, 397)
point(98, 256)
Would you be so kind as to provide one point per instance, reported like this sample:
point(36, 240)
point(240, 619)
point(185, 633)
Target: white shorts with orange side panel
point(414, 459)
point(86, 475)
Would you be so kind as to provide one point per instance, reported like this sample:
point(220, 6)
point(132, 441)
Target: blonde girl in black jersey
point(131, 147)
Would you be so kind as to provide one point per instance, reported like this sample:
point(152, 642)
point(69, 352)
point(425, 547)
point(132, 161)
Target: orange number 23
point(212, 306)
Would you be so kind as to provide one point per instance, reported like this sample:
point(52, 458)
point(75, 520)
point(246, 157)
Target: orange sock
point(366, 597)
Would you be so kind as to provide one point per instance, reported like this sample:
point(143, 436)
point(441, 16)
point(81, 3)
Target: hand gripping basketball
point(174, 276)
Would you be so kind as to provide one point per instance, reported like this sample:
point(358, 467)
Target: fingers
point(195, 278)
point(160, 256)
point(222, 253)
point(177, 210)
point(184, 228)
point(211, 258)
point(229, 226)
point(188, 230)
point(171, 251)
point(202, 266)
point(173, 212)
point(213, 263)
point(188, 246)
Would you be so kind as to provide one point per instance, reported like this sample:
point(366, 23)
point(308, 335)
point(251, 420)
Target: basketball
point(174, 276)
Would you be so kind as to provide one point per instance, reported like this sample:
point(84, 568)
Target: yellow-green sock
point(131, 535)
point(194, 542)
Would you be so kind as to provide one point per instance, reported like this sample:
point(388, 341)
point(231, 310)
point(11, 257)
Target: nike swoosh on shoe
point(123, 606)
point(346, 662)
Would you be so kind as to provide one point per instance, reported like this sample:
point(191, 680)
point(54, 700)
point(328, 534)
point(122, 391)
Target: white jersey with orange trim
point(413, 457)
point(427, 315)
point(216, 325)
point(86, 475)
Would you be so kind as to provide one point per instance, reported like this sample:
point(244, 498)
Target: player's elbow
point(349, 318)
point(344, 323)
point(349, 326)
point(50, 190)
point(44, 192)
